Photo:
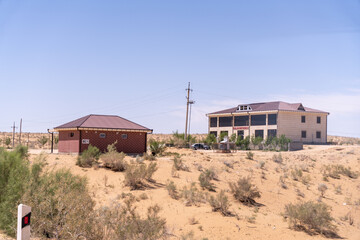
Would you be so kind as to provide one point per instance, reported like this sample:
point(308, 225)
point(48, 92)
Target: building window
point(124, 136)
point(71, 134)
point(318, 134)
point(102, 135)
point(303, 134)
point(318, 120)
point(213, 122)
point(240, 134)
point(241, 121)
point(259, 133)
point(257, 120)
point(225, 121)
point(271, 133)
point(303, 119)
point(272, 119)
point(214, 133)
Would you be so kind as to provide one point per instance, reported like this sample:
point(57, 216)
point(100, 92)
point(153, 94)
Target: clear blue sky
point(61, 60)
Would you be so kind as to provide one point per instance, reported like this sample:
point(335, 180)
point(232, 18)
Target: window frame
point(216, 122)
point(257, 124)
point(302, 135)
point(318, 120)
point(303, 119)
point(226, 125)
point(275, 121)
point(318, 136)
point(259, 130)
point(239, 120)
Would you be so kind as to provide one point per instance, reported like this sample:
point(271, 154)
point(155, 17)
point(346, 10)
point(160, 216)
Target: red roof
point(103, 121)
point(272, 106)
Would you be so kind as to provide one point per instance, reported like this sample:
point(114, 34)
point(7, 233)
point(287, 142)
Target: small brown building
point(100, 131)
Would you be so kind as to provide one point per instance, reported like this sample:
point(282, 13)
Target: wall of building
point(289, 124)
point(68, 143)
point(134, 143)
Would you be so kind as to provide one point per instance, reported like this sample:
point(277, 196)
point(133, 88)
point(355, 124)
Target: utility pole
point(187, 109)
point(20, 131)
point(13, 137)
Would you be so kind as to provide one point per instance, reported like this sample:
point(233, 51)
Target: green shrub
point(220, 203)
point(113, 159)
point(205, 178)
point(156, 148)
point(210, 139)
point(277, 158)
point(88, 157)
point(310, 216)
point(43, 140)
point(256, 140)
point(296, 174)
point(7, 142)
point(322, 189)
point(283, 142)
point(14, 175)
point(244, 191)
point(334, 171)
point(136, 175)
point(243, 143)
point(61, 206)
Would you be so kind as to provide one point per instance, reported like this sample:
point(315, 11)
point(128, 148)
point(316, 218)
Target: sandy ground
point(267, 220)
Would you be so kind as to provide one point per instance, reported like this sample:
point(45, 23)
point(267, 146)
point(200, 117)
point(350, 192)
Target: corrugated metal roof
point(271, 106)
point(103, 121)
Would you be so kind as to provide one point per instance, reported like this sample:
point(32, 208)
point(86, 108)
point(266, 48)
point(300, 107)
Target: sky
point(62, 60)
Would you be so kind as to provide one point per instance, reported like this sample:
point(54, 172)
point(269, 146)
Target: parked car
point(197, 146)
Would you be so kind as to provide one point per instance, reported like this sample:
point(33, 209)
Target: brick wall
point(68, 144)
point(135, 142)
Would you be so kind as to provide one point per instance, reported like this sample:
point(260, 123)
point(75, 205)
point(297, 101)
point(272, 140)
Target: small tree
point(205, 178)
point(7, 142)
point(322, 189)
point(156, 148)
point(43, 140)
point(210, 139)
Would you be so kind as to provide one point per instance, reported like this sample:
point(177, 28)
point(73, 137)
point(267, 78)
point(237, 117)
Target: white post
point(23, 223)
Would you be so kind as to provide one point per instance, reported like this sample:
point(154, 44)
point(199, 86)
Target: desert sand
point(264, 222)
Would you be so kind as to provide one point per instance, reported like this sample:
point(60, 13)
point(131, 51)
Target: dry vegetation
point(206, 195)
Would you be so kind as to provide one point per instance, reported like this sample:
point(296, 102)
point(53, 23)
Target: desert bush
point(322, 189)
point(179, 165)
point(220, 203)
point(296, 174)
point(310, 216)
point(172, 190)
point(88, 157)
point(149, 157)
point(192, 195)
point(250, 155)
point(244, 191)
point(261, 164)
point(61, 206)
point(205, 178)
point(277, 158)
point(136, 175)
point(113, 160)
point(334, 171)
point(124, 222)
point(156, 148)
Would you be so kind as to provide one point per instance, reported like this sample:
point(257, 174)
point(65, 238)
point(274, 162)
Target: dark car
point(197, 146)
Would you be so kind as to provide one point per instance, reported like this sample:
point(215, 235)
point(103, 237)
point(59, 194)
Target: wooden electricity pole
point(187, 109)
point(13, 136)
point(20, 131)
